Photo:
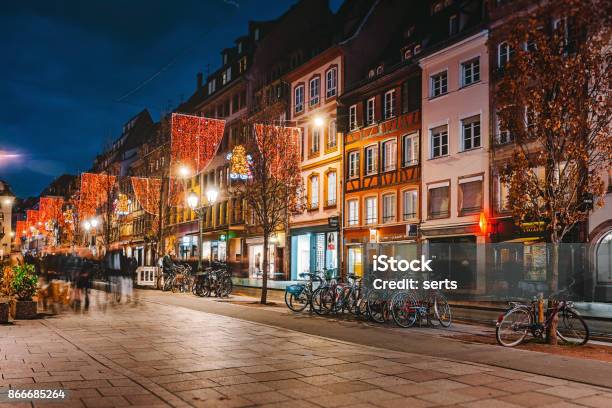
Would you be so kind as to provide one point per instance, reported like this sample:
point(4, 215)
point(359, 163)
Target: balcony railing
point(409, 216)
point(439, 214)
point(330, 203)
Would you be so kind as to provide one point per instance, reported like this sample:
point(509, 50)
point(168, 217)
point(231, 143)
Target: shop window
point(410, 204)
point(371, 216)
point(355, 262)
point(439, 202)
point(470, 195)
point(388, 208)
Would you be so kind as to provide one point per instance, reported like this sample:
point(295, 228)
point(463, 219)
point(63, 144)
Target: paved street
point(159, 354)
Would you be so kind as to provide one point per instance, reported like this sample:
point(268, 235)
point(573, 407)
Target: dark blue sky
point(66, 63)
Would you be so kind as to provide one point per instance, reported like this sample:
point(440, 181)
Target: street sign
point(333, 222)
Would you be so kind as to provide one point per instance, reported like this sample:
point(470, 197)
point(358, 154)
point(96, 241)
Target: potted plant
point(24, 286)
point(6, 280)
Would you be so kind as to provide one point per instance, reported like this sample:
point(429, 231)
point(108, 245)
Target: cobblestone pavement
point(159, 355)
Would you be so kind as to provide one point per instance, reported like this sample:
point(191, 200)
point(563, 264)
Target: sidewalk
point(156, 354)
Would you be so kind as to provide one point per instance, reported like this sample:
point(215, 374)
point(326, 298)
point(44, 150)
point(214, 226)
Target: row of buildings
point(400, 144)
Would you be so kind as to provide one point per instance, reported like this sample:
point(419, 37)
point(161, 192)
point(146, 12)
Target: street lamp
point(192, 201)
point(184, 171)
point(94, 222)
point(319, 121)
point(87, 225)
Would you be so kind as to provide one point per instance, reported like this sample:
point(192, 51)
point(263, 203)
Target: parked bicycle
point(523, 318)
point(408, 306)
point(215, 280)
point(299, 296)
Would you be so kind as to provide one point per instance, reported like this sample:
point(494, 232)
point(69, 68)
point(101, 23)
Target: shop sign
point(333, 222)
point(536, 226)
point(393, 237)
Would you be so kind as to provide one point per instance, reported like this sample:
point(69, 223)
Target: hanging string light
point(95, 190)
point(194, 141)
point(147, 192)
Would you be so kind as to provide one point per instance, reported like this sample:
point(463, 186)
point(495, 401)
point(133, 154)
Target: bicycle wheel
point(404, 309)
point(321, 299)
point(513, 328)
point(297, 303)
point(571, 327)
point(227, 286)
point(377, 307)
point(442, 310)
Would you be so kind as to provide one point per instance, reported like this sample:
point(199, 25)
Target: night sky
point(67, 67)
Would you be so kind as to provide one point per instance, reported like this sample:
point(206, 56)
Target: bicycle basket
point(295, 290)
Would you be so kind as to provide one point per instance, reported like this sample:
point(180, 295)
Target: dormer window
point(256, 34)
point(379, 69)
point(407, 54)
point(417, 49)
point(224, 58)
point(240, 47)
point(371, 73)
point(212, 85)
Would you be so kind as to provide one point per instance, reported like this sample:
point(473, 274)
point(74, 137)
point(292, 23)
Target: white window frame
point(410, 198)
point(413, 140)
point(389, 106)
point(509, 137)
point(441, 87)
point(331, 82)
point(389, 165)
point(332, 137)
point(371, 218)
point(314, 191)
point(212, 85)
point(353, 212)
point(370, 110)
point(353, 164)
point(353, 117)
point(369, 170)
point(469, 65)
point(386, 217)
point(503, 46)
point(298, 98)
point(314, 90)
point(332, 188)
point(472, 125)
point(315, 140)
point(432, 138)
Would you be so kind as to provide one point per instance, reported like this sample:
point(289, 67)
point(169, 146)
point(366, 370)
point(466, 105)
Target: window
point(530, 117)
point(439, 84)
point(503, 135)
point(331, 79)
point(388, 208)
point(470, 128)
point(504, 52)
point(315, 140)
point(256, 34)
point(315, 85)
point(243, 64)
point(331, 189)
point(470, 195)
point(389, 151)
point(332, 138)
point(371, 154)
point(299, 99)
point(390, 104)
point(470, 72)
point(211, 86)
point(370, 207)
point(353, 165)
point(353, 117)
point(439, 141)
point(439, 203)
point(410, 150)
point(353, 212)
point(453, 25)
point(240, 47)
point(370, 111)
point(227, 75)
point(314, 191)
point(504, 192)
point(410, 204)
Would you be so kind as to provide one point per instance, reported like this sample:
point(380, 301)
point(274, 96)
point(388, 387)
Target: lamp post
point(192, 201)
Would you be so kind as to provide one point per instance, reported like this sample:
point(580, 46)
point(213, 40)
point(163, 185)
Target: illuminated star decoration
point(239, 163)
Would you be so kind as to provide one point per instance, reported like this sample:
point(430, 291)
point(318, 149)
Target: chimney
point(199, 76)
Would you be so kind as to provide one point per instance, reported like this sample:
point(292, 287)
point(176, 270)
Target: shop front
point(314, 250)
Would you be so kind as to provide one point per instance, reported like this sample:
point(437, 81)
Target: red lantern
point(483, 223)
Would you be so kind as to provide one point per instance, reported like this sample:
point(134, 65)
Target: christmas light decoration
point(50, 209)
point(31, 222)
point(95, 191)
point(239, 163)
point(176, 192)
point(122, 204)
point(194, 141)
point(147, 192)
point(21, 231)
point(281, 144)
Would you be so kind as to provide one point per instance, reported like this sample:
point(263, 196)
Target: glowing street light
point(319, 121)
point(211, 195)
point(193, 200)
point(184, 171)
point(94, 222)
point(87, 225)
